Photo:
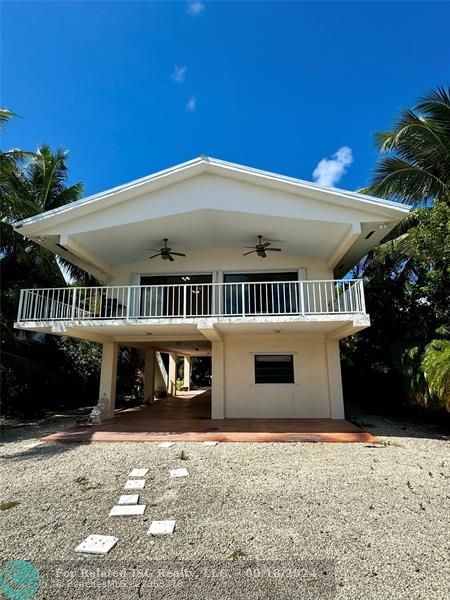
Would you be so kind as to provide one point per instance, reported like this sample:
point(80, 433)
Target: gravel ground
point(355, 521)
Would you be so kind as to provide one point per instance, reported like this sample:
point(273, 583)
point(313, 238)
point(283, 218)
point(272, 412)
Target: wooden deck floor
point(187, 418)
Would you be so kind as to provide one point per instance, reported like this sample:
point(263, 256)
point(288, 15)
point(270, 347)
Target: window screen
point(274, 368)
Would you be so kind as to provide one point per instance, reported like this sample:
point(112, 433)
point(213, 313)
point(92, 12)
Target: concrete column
point(108, 381)
point(149, 376)
point(335, 380)
point(172, 374)
point(218, 380)
point(160, 381)
point(187, 372)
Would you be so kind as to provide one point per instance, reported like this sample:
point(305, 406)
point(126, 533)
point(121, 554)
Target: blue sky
point(133, 87)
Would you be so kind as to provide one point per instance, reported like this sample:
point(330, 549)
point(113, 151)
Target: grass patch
point(86, 485)
point(392, 443)
point(237, 554)
point(8, 505)
point(183, 455)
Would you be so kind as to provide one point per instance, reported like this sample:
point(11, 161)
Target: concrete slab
point(178, 473)
point(166, 421)
point(135, 484)
point(123, 510)
point(161, 528)
point(138, 473)
point(129, 499)
point(97, 544)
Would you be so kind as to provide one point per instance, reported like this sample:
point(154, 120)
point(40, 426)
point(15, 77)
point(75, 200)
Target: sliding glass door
point(176, 295)
point(263, 294)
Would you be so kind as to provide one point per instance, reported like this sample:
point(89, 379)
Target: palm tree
point(31, 183)
point(415, 166)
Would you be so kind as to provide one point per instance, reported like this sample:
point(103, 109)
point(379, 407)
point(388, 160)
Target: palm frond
point(420, 142)
point(436, 106)
point(436, 369)
point(398, 180)
point(5, 116)
point(402, 228)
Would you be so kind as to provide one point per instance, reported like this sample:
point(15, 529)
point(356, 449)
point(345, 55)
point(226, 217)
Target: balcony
point(191, 301)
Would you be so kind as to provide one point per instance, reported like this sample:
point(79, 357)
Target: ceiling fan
point(261, 248)
point(166, 253)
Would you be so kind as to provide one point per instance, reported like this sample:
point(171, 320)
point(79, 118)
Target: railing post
point(243, 298)
point(363, 300)
point(19, 311)
point(302, 298)
point(184, 301)
point(128, 301)
point(74, 299)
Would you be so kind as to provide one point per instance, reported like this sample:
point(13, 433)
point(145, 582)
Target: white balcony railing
point(192, 300)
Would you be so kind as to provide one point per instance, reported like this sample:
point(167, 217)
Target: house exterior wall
point(221, 260)
point(308, 397)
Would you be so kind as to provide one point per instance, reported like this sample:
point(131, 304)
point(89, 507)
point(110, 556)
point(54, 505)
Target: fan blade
point(178, 254)
point(171, 258)
point(155, 255)
point(266, 244)
point(247, 253)
point(273, 249)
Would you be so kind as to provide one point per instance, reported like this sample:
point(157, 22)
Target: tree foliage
point(39, 371)
point(404, 355)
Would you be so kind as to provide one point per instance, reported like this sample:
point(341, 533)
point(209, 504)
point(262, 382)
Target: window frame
point(259, 355)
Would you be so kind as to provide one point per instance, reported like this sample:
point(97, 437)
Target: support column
point(335, 380)
point(108, 380)
point(218, 380)
point(172, 374)
point(187, 372)
point(149, 376)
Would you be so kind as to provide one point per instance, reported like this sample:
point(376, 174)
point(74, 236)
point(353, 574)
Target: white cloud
point(191, 104)
point(196, 8)
point(329, 170)
point(179, 74)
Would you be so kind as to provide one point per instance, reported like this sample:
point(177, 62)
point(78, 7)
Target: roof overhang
point(91, 234)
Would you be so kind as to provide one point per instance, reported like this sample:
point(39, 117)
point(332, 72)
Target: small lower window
point(274, 368)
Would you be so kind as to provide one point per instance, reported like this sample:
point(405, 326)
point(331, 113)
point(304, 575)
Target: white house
point(270, 319)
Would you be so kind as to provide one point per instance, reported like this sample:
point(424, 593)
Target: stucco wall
point(307, 398)
point(223, 260)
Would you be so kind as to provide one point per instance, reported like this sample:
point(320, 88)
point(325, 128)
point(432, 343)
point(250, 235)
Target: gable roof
point(206, 164)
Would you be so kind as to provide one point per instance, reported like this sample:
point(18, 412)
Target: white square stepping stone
point(135, 484)
point(161, 528)
point(166, 445)
point(178, 472)
point(129, 499)
point(210, 443)
point(138, 473)
point(126, 510)
point(97, 544)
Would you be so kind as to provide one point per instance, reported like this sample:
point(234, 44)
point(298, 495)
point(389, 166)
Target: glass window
point(274, 368)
